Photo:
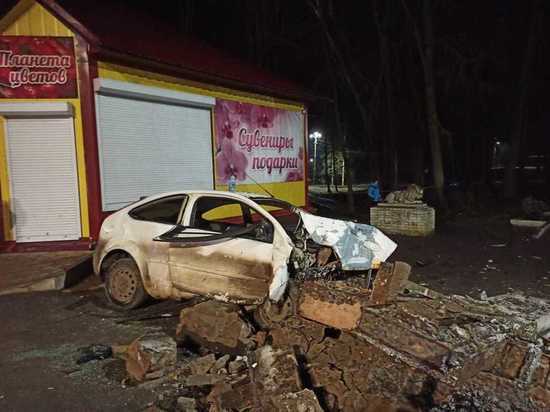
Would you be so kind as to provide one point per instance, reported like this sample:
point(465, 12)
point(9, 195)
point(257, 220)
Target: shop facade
point(87, 127)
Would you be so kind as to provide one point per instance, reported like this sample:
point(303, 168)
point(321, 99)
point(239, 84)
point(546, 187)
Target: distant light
point(311, 160)
point(315, 135)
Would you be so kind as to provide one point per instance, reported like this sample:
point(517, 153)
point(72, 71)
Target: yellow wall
point(293, 192)
point(31, 19)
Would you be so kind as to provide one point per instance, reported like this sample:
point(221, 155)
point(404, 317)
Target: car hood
point(357, 245)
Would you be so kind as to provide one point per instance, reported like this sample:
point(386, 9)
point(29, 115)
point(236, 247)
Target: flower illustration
point(230, 161)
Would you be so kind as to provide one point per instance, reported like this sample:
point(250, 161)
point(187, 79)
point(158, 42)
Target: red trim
point(87, 71)
point(306, 160)
point(13, 247)
point(150, 65)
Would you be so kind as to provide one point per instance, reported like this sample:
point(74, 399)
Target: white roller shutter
point(148, 147)
point(43, 178)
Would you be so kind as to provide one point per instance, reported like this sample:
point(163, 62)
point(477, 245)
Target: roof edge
point(139, 62)
point(66, 18)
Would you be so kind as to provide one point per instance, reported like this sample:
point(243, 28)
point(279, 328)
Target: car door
point(149, 221)
point(222, 252)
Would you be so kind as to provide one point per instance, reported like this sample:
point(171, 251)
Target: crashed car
point(233, 247)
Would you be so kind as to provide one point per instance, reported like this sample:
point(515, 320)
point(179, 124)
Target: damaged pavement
point(349, 344)
point(338, 350)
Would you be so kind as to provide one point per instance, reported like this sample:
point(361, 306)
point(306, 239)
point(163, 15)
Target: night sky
point(479, 54)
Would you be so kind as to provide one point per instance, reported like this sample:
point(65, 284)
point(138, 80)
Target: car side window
point(166, 210)
point(222, 215)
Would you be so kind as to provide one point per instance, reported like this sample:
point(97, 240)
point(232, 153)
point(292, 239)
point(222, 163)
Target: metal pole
point(314, 159)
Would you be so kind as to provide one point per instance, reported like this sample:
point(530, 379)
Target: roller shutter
point(148, 147)
point(43, 178)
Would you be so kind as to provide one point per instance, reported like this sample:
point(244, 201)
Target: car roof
point(234, 195)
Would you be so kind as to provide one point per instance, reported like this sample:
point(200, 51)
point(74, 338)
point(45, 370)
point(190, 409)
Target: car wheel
point(123, 286)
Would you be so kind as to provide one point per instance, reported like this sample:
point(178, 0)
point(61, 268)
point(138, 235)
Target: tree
point(510, 178)
point(425, 48)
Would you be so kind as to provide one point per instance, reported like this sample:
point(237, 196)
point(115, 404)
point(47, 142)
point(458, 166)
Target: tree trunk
point(431, 106)
point(510, 176)
point(385, 61)
point(327, 180)
point(349, 183)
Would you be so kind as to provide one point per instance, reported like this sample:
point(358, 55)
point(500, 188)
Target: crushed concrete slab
point(218, 326)
point(273, 372)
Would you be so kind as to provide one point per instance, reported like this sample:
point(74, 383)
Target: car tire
point(123, 285)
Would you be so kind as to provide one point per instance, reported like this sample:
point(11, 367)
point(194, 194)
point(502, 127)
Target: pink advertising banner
point(258, 143)
point(37, 67)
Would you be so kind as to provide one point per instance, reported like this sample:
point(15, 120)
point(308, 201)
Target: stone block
point(411, 220)
point(217, 326)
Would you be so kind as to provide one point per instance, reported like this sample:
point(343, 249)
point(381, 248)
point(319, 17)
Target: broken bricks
point(217, 326)
point(340, 306)
point(150, 354)
point(394, 353)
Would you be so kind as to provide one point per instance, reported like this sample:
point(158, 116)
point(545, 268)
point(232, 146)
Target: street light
point(315, 136)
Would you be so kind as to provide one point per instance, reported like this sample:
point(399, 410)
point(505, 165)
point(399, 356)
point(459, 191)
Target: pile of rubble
point(338, 346)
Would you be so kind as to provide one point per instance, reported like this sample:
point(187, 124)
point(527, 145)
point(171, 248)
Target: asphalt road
point(41, 335)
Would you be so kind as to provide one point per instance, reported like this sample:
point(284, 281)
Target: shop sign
point(258, 144)
point(37, 67)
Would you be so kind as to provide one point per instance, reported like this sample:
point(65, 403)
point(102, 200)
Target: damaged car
point(233, 247)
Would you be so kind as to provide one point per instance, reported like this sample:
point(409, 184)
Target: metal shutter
point(43, 177)
point(151, 147)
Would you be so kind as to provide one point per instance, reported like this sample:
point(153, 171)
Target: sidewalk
point(20, 272)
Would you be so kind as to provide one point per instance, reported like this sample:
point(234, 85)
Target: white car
point(234, 247)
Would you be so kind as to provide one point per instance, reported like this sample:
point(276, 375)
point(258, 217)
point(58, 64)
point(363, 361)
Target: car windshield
point(285, 213)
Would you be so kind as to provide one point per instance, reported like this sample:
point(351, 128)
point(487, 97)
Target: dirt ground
point(42, 332)
point(469, 255)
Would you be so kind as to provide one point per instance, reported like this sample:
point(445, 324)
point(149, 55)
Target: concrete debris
point(220, 364)
point(203, 380)
point(184, 404)
point(225, 397)
point(236, 366)
point(329, 307)
point(345, 346)
point(274, 371)
point(202, 365)
point(303, 401)
point(150, 353)
point(389, 282)
point(217, 326)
